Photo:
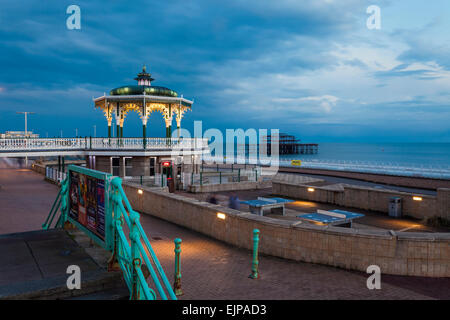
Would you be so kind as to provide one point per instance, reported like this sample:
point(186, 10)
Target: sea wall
point(401, 253)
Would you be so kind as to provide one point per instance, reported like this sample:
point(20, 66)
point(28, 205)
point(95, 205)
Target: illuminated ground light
point(310, 189)
point(417, 198)
point(140, 191)
point(221, 215)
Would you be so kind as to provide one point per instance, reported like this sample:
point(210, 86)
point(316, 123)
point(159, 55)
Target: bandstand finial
point(143, 78)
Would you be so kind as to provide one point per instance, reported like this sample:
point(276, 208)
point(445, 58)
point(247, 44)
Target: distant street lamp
point(95, 131)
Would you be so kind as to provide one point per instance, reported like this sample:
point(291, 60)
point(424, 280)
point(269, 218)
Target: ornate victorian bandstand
point(146, 156)
point(143, 98)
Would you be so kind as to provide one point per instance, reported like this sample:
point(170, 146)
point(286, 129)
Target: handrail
point(60, 203)
point(132, 253)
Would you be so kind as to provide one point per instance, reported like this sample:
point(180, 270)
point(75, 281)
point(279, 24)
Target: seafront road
point(211, 269)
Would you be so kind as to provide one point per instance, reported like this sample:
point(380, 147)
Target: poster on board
point(87, 202)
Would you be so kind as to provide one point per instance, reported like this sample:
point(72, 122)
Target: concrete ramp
point(33, 266)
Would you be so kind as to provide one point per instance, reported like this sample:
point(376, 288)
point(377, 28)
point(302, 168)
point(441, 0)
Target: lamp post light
point(25, 113)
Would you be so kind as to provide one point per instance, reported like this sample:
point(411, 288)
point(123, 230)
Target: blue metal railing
point(59, 203)
point(134, 254)
point(131, 253)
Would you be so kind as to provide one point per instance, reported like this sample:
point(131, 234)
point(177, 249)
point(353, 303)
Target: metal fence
point(158, 180)
point(221, 176)
point(55, 175)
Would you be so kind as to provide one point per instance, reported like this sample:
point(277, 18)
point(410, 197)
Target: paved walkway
point(213, 270)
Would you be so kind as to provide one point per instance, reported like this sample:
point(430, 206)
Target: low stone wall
point(402, 253)
point(369, 198)
point(39, 167)
point(243, 185)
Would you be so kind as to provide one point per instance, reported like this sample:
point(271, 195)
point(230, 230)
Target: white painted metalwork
point(84, 144)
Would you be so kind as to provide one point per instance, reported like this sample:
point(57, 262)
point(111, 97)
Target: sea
point(412, 159)
point(401, 154)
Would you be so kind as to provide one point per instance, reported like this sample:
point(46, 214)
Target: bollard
point(239, 175)
point(255, 263)
point(220, 177)
point(141, 180)
point(177, 274)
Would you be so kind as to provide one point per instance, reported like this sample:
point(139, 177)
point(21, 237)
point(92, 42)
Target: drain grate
point(157, 238)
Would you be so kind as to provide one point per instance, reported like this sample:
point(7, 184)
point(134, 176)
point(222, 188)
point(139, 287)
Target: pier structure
point(289, 144)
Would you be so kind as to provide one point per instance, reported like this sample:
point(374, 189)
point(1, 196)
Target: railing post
point(135, 255)
point(220, 177)
point(255, 262)
point(177, 274)
point(239, 175)
point(64, 204)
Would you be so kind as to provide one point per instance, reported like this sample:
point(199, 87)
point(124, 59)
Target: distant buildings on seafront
point(18, 135)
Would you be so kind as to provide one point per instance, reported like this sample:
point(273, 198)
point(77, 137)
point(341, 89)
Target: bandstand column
point(109, 127)
point(118, 114)
point(168, 120)
point(144, 118)
point(178, 125)
point(144, 132)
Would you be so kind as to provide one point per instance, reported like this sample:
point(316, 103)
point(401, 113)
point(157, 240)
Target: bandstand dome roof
point(139, 89)
point(143, 87)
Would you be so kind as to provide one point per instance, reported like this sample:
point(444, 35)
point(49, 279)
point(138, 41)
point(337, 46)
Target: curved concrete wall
point(402, 253)
point(369, 198)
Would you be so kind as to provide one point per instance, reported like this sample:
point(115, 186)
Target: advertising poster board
point(87, 202)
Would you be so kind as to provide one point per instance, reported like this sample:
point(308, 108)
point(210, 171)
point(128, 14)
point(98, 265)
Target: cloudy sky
point(311, 68)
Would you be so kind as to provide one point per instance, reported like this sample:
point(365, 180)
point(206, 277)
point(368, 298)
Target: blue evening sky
point(311, 68)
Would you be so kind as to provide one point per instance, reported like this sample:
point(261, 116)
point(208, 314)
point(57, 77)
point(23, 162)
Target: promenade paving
point(214, 270)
